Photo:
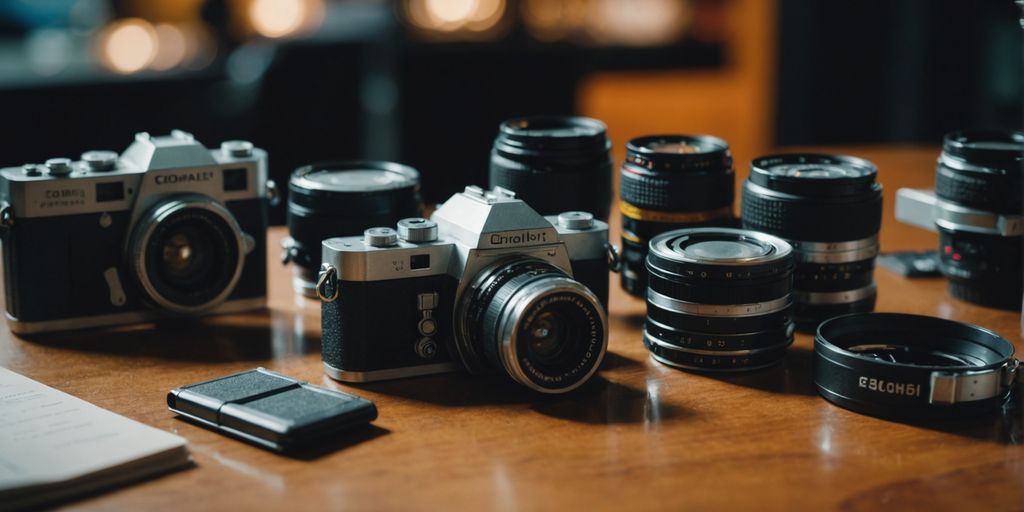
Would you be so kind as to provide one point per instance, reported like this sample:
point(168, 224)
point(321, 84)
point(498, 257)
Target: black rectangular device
point(270, 409)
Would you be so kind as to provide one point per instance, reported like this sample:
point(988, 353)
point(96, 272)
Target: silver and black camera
point(167, 228)
point(488, 285)
point(976, 208)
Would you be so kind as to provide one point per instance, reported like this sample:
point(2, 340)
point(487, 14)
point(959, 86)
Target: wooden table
point(641, 436)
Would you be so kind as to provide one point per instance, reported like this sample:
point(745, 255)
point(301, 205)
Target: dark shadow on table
point(792, 376)
point(598, 401)
point(256, 336)
point(1005, 426)
point(338, 442)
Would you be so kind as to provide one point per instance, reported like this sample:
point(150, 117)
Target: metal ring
point(717, 310)
point(328, 274)
point(614, 258)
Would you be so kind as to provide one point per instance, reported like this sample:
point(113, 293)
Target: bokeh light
point(281, 18)
point(468, 18)
point(128, 46)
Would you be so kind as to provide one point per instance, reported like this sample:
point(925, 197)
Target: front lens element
point(529, 321)
point(187, 254)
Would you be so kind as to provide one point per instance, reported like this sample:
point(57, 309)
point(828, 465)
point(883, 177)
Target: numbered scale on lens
point(719, 299)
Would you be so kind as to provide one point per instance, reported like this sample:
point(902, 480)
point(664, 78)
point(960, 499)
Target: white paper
point(47, 436)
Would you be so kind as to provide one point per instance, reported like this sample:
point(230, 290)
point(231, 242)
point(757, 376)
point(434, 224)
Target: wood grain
point(641, 436)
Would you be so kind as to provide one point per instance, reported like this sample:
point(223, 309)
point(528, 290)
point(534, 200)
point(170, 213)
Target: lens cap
point(814, 174)
point(911, 367)
point(995, 148)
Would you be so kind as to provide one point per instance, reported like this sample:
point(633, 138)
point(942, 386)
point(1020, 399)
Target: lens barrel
point(670, 182)
point(330, 199)
point(555, 163)
point(911, 367)
point(718, 299)
point(829, 208)
point(981, 170)
point(527, 320)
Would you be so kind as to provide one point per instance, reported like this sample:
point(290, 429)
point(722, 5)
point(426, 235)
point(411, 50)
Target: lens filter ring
point(911, 367)
point(719, 299)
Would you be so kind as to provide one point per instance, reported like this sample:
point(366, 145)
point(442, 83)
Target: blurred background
point(426, 82)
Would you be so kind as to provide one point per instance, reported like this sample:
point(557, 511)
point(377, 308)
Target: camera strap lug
point(6, 217)
point(327, 283)
point(953, 388)
point(614, 258)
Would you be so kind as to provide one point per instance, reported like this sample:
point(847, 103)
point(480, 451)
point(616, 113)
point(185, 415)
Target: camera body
point(397, 302)
point(167, 228)
point(976, 209)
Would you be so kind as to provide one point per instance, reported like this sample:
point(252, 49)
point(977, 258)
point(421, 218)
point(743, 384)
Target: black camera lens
point(529, 321)
point(829, 208)
point(981, 171)
point(670, 182)
point(187, 254)
point(911, 367)
point(718, 299)
point(555, 163)
point(332, 199)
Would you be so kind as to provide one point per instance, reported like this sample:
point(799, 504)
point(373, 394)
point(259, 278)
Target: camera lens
point(829, 208)
point(911, 367)
point(981, 170)
point(555, 163)
point(718, 299)
point(529, 321)
point(187, 254)
point(670, 182)
point(332, 199)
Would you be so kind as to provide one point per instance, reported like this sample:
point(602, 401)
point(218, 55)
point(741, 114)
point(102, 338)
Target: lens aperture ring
point(710, 361)
point(977, 188)
point(722, 342)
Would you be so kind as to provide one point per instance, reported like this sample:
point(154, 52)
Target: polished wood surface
point(641, 436)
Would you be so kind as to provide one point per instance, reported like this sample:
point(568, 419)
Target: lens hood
point(911, 367)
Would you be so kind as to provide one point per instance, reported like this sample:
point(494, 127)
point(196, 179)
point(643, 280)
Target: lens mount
point(528, 320)
point(911, 367)
point(187, 253)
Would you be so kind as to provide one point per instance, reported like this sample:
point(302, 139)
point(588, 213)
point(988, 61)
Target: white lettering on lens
point(888, 387)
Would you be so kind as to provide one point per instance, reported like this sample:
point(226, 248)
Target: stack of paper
point(54, 446)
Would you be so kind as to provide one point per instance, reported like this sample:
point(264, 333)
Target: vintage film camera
point(488, 285)
point(167, 228)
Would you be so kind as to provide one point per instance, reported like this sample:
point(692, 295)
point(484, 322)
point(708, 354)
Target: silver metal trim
point(660, 245)
point(717, 310)
point(835, 252)
point(388, 374)
point(132, 317)
point(840, 297)
point(953, 388)
point(522, 300)
point(724, 353)
point(923, 209)
point(144, 229)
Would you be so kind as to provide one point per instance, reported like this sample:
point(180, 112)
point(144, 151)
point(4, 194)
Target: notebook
point(54, 446)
